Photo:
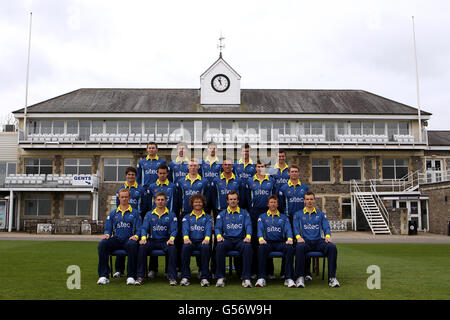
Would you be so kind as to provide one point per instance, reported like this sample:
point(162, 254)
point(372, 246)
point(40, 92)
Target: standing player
point(147, 173)
point(310, 225)
point(224, 184)
point(234, 232)
point(259, 188)
point(136, 193)
point(179, 167)
point(280, 171)
point(197, 230)
point(244, 169)
point(210, 169)
point(122, 231)
point(274, 234)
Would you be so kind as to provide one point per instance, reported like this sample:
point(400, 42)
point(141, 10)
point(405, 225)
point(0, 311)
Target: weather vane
point(221, 45)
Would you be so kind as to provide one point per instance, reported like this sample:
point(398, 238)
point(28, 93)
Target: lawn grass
point(37, 270)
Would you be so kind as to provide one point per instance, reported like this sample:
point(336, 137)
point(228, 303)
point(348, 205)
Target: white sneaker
point(131, 281)
point(246, 283)
point(220, 282)
point(260, 283)
point(289, 283)
point(103, 280)
point(300, 282)
point(184, 282)
point(117, 275)
point(333, 283)
point(172, 282)
point(204, 283)
point(308, 278)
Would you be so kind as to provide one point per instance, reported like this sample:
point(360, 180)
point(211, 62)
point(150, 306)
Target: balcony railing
point(52, 181)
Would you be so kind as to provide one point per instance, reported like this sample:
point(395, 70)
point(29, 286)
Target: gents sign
point(82, 180)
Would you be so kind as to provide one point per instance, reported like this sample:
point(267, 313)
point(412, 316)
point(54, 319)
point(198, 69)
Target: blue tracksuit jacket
point(187, 188)
point(259, 191)
point(233, 225)
point(243, 171)
point(222, 187)
point(280, 175)
point(311, 226)
point(178, 169)
point(169, 189)
point(123, 224)
point(159, 227)
point(136, 193)
point(274, 227)
point(197, 228)
point(291, 197)
point(147, 170)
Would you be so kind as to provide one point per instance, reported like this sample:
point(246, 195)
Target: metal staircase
point(373, 209)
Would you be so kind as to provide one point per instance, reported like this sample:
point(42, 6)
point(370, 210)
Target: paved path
point(338, 237)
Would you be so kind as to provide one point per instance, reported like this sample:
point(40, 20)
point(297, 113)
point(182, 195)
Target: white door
point(434, 170)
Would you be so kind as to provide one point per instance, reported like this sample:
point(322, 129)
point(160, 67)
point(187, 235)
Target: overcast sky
point(283, 44)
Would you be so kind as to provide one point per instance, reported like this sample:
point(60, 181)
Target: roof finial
point(221, 45)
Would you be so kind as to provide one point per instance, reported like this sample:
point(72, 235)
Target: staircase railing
point(380, 205)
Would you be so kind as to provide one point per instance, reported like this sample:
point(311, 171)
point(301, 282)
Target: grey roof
point(279, 101)
point(439, 138)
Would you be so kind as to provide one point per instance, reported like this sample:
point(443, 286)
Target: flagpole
point(417, 84)
point(27, 78)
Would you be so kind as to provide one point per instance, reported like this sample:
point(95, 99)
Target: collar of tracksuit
point(127, 209)
point(155, 158)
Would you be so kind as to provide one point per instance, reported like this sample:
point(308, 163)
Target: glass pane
point(227, 127)
point(351, 162)
point(84, 170)
point(110, 162)
point(342, 128)
point(392, 130)
point(111, 127)
point(388, 173)
point(72, 127)
point(380, 128)
point(188, 131)
point(316, 127)
point(388, 162)
point(97, 127)
point(70, 207)
point(403, 128)
point(46, 162)
point(46, 127)
point(136, 126)
point(110, 173)
point(355, 128)
point(11, 168)
point(124, 127)
point(265, 130)
point(163, 127)
point(350, 173)
point(121, 171)
point(58, 127)
point(126, 162)
point(174, 126)
point(367, 127)
point(85, 162)
point(44, 207)
point(70, 170)
point(330, 131)
point(33, 127)
point(321, 162)
point(149, 126)
point(401, 162)
point(84, 206)
point(30, 207)
point(320, 174)
point(70, 162)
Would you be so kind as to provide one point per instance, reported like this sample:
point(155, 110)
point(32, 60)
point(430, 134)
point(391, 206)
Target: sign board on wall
point(82, 180)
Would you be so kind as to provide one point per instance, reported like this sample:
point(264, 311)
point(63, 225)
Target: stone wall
point(438, 205)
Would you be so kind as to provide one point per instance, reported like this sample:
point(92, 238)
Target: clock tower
point(220, 84)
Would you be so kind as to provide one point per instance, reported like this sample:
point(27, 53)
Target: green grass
point(37, 270)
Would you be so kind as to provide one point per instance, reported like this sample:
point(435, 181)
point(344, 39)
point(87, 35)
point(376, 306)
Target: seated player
point(309, 224)
point(274, 234)
point(160, 228)
point(197, 230)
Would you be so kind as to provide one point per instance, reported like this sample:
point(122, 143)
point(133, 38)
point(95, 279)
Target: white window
point(77, 205)
point(37, 204)
point(351, 169)
point(38, 166)
point(321, 170)
point(77, 166)
point(395, 168)
point(114, 169)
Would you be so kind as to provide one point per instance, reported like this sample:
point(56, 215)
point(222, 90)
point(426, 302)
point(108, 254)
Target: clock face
point(220, 83)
